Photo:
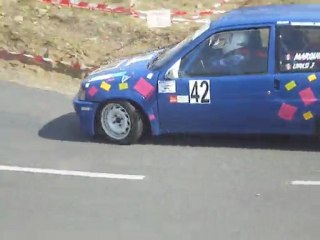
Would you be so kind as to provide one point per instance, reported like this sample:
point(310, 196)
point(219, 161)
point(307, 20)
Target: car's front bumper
point(86, 112)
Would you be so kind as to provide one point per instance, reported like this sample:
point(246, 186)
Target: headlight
point(82, 94)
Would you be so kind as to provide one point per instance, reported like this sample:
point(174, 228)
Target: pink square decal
point(287, 111)
point(307, 96)
point(92, 91)
point(144, 88)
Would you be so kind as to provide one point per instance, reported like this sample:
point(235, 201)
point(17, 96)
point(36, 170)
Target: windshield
point(165, 56)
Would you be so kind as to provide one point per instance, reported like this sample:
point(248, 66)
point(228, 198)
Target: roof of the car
point(269, 14)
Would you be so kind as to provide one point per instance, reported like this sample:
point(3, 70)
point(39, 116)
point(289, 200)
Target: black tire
point(136, 120)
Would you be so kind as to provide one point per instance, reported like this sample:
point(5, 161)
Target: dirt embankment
point(69, 34)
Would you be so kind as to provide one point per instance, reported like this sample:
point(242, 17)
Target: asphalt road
point(218, 187)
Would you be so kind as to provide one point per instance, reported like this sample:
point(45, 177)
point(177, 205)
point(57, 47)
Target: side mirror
point(173, 71)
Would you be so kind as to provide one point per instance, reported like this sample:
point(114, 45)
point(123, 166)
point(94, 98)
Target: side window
point(298, 48)
point(228, 53)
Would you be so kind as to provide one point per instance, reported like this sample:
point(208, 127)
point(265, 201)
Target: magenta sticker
point(152, 117)
point(307, 96)
point(92, 91)
point(287, 112)
point(144, 88)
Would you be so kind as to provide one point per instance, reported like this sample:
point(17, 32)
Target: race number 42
point(199, 91)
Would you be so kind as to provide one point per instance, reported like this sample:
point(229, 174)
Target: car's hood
point(125, 68)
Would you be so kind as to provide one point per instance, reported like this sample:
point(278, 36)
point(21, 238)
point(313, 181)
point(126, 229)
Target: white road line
point(306, 183)
point(71, 173)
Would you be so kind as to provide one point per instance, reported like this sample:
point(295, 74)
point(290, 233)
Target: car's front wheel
point(121, 122)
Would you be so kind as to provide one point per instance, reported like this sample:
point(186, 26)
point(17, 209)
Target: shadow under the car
point(64, 128)
point(272, 142)
point(67, 128)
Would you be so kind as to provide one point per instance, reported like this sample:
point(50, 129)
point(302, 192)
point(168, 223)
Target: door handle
point(276, 84)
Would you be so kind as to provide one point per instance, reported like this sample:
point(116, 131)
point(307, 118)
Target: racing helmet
point(236, 41)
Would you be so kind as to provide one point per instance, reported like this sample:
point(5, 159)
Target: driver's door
point(225, 96)
point(178, 111)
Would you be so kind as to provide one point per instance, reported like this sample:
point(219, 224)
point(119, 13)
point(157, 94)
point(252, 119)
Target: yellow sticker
point(312, 77)
point(123, 86)
point(290, 85)
point(105, 86)
point(308, 115)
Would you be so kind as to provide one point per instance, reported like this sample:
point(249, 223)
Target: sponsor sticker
point(167, 86)
point(307, 96)
point(308, 115)
point(144, 88)
point(312, 77)
point(152, 117)
point(110, 79)
point(290, 85)
point(307, 56)
point(125, 78)
point(304, 65)
point(105, 86)
point(149, 76)
point(123, 86)
point(173, 99)
point(92, 91)
point(179, 99)
point(287, 112)
point(183, 99)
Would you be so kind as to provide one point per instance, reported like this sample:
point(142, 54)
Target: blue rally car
point(253, 70)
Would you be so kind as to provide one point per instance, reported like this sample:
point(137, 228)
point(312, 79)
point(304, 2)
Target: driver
point(234, 53)
point(240, 52)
